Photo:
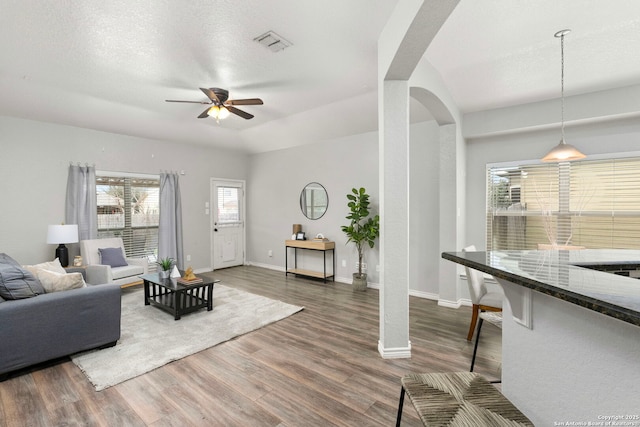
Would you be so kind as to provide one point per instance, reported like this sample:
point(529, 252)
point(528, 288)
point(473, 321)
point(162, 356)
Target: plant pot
point(359, 282)
point(164, 274)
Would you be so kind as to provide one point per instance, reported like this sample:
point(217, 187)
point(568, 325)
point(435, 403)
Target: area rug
point(151, 338)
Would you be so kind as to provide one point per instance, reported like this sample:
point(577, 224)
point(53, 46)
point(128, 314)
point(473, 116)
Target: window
point(228, 204)
point(589, 203)
point(128, 207)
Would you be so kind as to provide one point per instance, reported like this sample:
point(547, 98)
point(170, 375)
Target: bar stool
point(458, 398)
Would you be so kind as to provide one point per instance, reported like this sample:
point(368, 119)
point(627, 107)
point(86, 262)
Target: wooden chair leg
point(400, 405)
point(474, 320)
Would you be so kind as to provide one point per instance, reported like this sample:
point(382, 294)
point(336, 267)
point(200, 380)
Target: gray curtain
point(81, 205)
point(170, 228)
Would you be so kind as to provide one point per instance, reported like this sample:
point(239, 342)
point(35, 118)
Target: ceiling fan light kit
point(221, 105)
point(562, 152)
point(218, 113)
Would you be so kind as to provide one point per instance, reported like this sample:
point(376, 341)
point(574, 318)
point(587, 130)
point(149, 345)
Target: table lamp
point(61, 234)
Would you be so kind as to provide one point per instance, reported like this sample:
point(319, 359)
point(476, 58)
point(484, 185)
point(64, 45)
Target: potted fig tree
point(362, 230)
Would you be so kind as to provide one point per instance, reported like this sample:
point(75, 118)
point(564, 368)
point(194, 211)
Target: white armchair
point(98, 273)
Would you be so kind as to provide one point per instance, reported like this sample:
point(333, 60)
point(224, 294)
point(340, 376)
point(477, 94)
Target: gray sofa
point(47, 326)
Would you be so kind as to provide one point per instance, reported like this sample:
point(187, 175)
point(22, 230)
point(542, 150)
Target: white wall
point(276, 179)
point(273, 199)
point(36, 156)
point(424, 218)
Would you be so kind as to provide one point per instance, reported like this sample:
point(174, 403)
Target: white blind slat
point(590, 203)
point(128, 207)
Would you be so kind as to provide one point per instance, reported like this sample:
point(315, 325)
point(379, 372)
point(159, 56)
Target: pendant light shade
point(563, 152)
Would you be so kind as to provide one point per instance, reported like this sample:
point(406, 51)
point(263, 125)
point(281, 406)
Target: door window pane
point(228, 204)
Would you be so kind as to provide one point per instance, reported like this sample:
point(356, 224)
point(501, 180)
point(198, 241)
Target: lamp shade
point(563, 152)
point(60, 234)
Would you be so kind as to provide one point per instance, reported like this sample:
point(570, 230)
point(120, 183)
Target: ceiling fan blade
point(240, 113)
point(204, 114)
point(211, 95)
point(250, 101)
point(189, 102)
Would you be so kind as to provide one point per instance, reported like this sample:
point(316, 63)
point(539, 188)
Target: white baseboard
point(347, 280)
point(425, 295)
point(267, 266)
point(394, 353)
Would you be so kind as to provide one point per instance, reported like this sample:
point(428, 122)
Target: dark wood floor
point(318, 367)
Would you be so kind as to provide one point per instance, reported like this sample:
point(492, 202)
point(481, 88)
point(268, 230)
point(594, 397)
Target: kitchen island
point(571, 332)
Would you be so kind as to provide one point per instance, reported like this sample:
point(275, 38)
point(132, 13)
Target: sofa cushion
point(55, 282)
point(54, 266)
point(18, 283)
point(112, 256)
point(126, 271)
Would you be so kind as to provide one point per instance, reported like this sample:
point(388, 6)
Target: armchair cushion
point(126, 271)
point(112, 256)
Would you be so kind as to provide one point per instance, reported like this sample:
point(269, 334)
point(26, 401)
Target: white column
point(394, 220)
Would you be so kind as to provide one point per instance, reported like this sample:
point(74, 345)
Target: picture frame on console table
point(300, 235)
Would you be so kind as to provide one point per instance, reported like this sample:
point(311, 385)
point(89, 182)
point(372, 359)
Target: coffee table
point(177, 298)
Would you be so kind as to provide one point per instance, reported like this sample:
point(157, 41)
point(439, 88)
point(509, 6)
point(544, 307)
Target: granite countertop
point(572, 276)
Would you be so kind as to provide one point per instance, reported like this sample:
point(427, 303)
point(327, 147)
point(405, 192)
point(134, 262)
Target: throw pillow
point(56, 282)
point(112, 256)
point(18, 283)
point(54, 266)
point(7, 261)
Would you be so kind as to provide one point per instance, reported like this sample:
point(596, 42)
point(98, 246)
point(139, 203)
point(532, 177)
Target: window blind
point(128, 207)
point(590, 203)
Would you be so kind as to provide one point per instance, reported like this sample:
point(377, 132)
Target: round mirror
point(314, 200)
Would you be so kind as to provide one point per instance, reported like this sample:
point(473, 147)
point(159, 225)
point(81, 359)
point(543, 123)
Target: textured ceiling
point(497, 53)
point(109, 65)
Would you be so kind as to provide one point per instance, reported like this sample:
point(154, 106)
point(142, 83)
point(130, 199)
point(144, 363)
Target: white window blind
point(128, 207)
point(590, 203)
point(228, 204)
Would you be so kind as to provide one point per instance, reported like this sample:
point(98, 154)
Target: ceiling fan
point(221, 105)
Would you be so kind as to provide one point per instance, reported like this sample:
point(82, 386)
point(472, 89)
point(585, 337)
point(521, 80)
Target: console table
point(311, 245)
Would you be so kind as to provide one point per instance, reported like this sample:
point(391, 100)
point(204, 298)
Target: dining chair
point(481, 298)
point(495, 318)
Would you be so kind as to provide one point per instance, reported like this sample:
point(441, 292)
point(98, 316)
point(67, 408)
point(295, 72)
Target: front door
point(227, 223)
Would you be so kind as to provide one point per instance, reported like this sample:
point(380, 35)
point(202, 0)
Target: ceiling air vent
point(272, 41)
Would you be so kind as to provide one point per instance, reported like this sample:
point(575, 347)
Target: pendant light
point(563, 152)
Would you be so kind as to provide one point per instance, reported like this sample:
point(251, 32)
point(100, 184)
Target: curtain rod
point(117, 174)
point(80, 164)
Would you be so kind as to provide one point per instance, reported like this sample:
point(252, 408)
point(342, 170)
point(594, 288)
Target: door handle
point(215, 229)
